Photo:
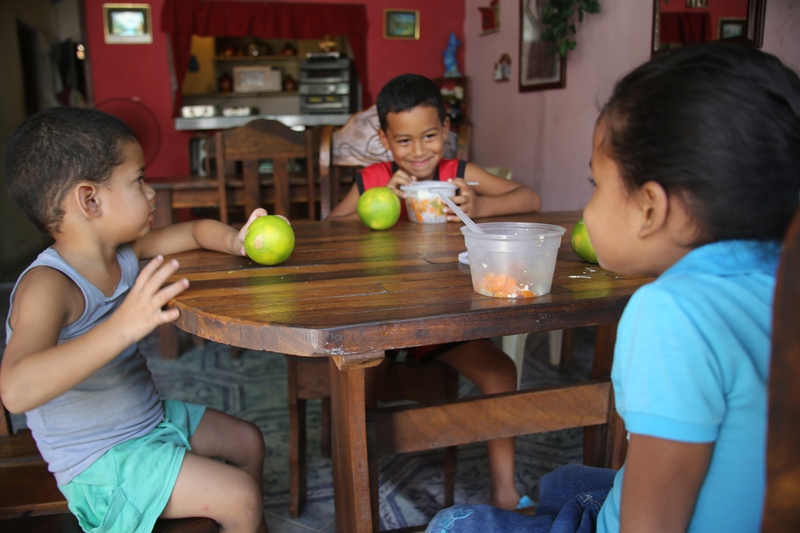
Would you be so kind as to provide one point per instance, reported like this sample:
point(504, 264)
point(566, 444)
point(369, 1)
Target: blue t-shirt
point(691, 364)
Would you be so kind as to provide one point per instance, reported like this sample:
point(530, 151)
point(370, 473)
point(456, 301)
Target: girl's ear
point(653, 203)
point(87, 199)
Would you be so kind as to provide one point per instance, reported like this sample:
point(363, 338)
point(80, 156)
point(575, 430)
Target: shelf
point(243, 94)
point(259, 58)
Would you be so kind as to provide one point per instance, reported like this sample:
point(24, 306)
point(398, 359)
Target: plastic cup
point(513, 259)
point(423, 203)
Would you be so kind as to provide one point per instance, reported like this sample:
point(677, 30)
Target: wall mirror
point(679, 22)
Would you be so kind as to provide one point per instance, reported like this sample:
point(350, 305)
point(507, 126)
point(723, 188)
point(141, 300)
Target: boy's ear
point(446, 127)
point(653, 203)
point(384, 139)
point(87, 199)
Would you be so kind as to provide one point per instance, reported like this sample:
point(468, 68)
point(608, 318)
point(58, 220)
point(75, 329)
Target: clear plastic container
point(513, 259)
point(423, 203)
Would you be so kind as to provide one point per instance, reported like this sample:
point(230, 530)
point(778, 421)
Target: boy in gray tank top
point(121, 456)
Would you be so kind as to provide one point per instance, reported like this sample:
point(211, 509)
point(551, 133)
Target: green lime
point(269, 240)
point(379, 208)
point(581, 244)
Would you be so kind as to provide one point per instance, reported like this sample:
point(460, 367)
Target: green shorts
point(128, 487)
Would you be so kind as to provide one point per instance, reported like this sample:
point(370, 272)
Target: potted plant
point(559, 18)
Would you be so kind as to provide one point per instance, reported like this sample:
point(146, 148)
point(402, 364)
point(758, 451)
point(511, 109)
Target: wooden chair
point(782, 503)
point(243, 149)
point(309, 378)
point(356, 145)
point(238, 153)
point(29, 497)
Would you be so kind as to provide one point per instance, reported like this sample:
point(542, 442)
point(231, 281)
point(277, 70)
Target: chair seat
point(29, 489)
point(19, 448)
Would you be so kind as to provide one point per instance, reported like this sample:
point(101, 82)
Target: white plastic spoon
point(463, 216)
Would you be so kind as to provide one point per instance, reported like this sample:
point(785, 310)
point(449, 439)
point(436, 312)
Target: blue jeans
point(569, 502)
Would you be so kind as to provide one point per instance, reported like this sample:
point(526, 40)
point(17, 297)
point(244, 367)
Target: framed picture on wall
point(539, 69)
point(127, 24)
point(728, 28)
point(400, 24)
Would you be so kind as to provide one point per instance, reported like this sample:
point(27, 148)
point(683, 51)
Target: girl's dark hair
point(717, 125)
point(56, 149)
point(408, 91)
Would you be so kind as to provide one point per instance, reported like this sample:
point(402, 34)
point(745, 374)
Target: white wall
point(545, 137)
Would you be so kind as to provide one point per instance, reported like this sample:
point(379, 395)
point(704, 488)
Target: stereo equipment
point(327, 85)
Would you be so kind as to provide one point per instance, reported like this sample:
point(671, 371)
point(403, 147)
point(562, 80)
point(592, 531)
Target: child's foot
point(507, 500)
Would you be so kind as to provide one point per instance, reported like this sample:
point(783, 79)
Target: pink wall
point(545, 137)
point(142, 71)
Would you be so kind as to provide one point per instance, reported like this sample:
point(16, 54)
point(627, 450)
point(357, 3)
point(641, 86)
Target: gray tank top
point(117, 403)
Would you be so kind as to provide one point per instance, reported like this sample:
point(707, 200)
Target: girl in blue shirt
point(696, 168)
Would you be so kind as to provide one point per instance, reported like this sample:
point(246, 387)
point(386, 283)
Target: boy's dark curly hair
point(408, 91)
point(56, 149)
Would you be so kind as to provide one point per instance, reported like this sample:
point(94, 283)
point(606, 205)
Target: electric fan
point(140, 119)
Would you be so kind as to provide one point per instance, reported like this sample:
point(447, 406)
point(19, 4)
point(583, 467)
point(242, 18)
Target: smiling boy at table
point(696, 167)
point(414, 127)
point(121, 456)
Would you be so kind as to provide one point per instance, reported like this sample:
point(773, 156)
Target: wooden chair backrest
point(249, 144)
point(356, 145)
point(782, 503)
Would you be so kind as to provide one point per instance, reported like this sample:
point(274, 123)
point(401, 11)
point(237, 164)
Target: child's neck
point(97, 263)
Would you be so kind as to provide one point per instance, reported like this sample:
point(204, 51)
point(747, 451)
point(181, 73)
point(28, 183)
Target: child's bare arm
point(206, 234)
point(492, 196)
point(35, 368)
point(346, 209)
point(661, 483)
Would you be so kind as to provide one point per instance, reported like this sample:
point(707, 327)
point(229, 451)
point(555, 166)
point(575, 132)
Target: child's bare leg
point(222, 492)
point(493, 372)
point(238, 484)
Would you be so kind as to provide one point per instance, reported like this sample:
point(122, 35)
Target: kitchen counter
point(293, 121)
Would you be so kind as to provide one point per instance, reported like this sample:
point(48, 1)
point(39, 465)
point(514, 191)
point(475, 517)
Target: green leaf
point(559, 16)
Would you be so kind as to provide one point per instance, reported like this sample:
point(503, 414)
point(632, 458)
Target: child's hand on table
point(238, 245)
point(467, 200)
point(401, 177)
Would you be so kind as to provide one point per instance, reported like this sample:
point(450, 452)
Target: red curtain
point(267, 20)
point(686, 28)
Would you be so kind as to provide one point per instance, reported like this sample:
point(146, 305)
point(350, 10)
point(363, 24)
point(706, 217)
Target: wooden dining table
point(349, 294)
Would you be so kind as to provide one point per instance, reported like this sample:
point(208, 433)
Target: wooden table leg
point(601, 444)
point(352, 498)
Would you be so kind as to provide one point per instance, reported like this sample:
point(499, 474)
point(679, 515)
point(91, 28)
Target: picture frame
point(401, 24)
point(127, 24)
point(256, 79)
point(539, 69)
point(731, 27)
point(490, 17)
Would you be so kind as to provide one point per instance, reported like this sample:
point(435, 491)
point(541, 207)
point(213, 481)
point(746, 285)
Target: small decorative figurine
point(502, 69)
point(327, 44)
point(225, 82)
point(289, 83)
point(450, 63)
point(289, 49)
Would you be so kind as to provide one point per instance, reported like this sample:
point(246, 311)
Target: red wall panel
point(141, 71)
